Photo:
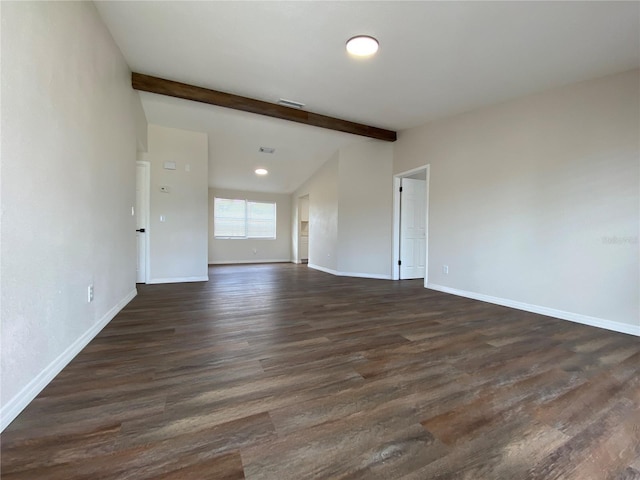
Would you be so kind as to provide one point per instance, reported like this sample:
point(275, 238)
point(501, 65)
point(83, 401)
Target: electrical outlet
point(255, 251)
point(90, 293)
point(445, 269)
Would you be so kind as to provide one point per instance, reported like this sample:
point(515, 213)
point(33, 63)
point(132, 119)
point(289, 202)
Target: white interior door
point(142, 219)
point(412, 228)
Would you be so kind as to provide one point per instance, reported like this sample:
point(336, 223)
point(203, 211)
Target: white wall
point(68, 185)
point(178, 246)
point(141, 127)
point(242, 250)
point(365, 209)
point(535, 201)
point(322, 189)
point(350, 212)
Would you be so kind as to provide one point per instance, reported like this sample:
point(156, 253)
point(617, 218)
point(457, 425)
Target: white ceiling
point(235, 138)
point(435, 59)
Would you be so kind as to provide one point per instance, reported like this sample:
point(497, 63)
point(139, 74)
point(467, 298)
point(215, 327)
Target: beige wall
point(365, 209)
point(69, 122)
point(350, 212)
point(253, 249)
point(142, 129)
point(322, 189)
point(536, 200)
point(178, 246)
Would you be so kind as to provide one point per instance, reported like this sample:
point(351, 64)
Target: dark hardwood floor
point(281, 372)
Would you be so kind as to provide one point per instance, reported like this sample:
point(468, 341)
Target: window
point(234, 218)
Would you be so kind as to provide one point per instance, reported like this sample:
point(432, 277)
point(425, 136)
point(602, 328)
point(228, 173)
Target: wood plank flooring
point(277, 372)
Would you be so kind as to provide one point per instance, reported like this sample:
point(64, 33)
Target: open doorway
point(410, 224)
point(303, 229)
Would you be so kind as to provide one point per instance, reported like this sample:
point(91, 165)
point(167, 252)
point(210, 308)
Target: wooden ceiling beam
point(147, 83)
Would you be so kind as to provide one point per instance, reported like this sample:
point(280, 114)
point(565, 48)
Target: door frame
point(395, 252)
point(147, 206)
point(299, 224)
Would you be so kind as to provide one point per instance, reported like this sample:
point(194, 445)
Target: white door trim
point(147, 181)
point(301, 199)
point(395, 256)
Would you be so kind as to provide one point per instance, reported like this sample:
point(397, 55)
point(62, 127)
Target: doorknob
point(141, 230)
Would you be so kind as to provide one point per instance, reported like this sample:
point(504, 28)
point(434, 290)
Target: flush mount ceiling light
point(261, 171)
point(362, 46)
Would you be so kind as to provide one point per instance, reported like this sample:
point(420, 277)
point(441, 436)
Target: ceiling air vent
point(267, 150)
point(290, 103)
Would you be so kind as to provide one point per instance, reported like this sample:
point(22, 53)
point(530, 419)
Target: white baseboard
point(234, 262)
point(323, 269)
point(10, 410)
point(179, 279)
point(377, 276)
point(551, 312)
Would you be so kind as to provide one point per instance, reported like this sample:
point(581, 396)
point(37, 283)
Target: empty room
point(273, 240)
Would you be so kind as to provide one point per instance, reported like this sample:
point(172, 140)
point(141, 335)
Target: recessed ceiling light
point(261, 171)
point(362, 46)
